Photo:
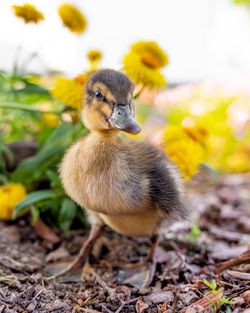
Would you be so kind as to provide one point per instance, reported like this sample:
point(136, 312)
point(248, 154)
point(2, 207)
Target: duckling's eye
point(98, 95)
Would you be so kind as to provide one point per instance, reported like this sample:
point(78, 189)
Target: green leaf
point(3, 179)
point(44, 135)
point(224, 300)
point(5, 153)
point(35, 213)
point(32, 198)
point(67, 214)
point(8, 153)
point(54, 178)
point(210, 285)
point(48, 204)
point(195, 232)
point(52, 150)
point(32, 88)
point(214, 284)
point(22, 106)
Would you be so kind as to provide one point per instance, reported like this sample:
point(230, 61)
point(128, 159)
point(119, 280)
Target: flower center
point(81, 79)
point(149, 60)
point(191, 133)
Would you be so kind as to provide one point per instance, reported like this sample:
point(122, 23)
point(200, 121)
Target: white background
point(205, 39)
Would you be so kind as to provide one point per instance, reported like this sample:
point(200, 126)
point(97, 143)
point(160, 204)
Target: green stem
point(25, 107)
point(139, 92)
point(8, 279)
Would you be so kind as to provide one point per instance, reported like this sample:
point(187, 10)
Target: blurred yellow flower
point(10, 195)
point(50, 119)
point(198, 134)
point(28, 13)
point(94, 57)
point(72, 18)
point(238, 163)
point(246, 2)
point(186, 147)
point(70, 91)
point(81, 79)
point(142, 64)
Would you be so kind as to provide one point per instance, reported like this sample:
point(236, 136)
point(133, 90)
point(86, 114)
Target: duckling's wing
point(166, 189)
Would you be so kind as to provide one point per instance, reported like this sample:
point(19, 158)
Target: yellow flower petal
point(50, 119)
point(10, 195)
point(28, 13)
point(70, 91)
point(72, 18)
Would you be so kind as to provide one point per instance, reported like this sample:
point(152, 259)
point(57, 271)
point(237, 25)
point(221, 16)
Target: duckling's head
point(108, 102)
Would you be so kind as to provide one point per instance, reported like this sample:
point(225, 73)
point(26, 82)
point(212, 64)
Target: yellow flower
point(70, 91)
point(94, 57)
point(142, 64)
point(72, 18)
point(186, 147)
point(50, 119)
point(28, 13)
point(10, 195)
point(238, 163)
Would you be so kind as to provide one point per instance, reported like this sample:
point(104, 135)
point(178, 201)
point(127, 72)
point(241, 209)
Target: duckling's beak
point(121, 118)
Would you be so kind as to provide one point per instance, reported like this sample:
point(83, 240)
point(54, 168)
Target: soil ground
point(222, 211)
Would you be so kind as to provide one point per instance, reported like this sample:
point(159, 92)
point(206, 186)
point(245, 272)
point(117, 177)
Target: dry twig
point(242, 258)
point(125, 303)
point(176, 298)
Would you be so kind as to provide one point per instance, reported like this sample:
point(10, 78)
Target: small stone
point(238, 301)
point(31, 307)
point(161, 297)
point(36, 278)
point(246, 296)
point(141, 306)
point(58, 254)
point(244, 224)
point(188, 297)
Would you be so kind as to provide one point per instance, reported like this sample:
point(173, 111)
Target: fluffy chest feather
point(105, 180)
point(111, 184)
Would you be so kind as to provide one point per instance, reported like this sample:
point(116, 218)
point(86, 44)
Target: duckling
point(130, 186)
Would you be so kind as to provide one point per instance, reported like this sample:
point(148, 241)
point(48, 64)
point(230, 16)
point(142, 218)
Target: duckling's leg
point(140, 275)
point(76, 270)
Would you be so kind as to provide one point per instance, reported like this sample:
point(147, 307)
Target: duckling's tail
point(181, 211)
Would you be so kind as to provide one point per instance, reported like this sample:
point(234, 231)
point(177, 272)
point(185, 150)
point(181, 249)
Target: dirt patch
point(183, 261)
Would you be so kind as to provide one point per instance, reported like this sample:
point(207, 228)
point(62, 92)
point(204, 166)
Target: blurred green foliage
point(22, 119)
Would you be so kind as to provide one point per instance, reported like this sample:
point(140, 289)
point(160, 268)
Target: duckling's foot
point(140, 278)
point(65, 272)
point(79, 269)
point(140, 275)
